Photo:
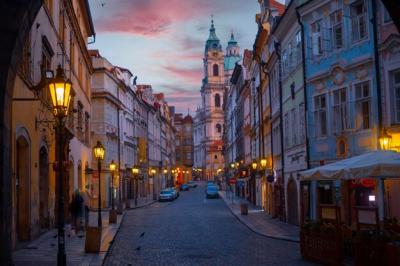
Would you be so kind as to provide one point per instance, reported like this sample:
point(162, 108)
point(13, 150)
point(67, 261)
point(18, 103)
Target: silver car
point(166, 195)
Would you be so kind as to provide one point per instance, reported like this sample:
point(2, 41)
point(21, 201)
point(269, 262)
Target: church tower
point(209, 120)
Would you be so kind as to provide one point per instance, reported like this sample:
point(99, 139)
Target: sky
point(162, 41)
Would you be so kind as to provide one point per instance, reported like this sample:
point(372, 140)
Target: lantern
point(113, 166)
point(263, 163)
point(385, 140)
point(60, 91)
point(135, 170)
point(254, 166)
point(99, 151)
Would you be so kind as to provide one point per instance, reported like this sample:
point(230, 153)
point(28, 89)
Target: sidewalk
point(43, 250)
point(259, 222)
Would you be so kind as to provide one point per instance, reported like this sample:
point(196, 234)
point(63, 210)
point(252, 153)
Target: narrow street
point(193, 230)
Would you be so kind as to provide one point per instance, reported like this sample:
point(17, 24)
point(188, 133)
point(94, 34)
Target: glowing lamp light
point(135, 170)
point(237, 164)
point(232, 165)
point(263, 163)
point(99, 151)
point(60, 91)
point(385, 140)
point(153, 171)
point(371, 198)
point(113, 166)
point(165, 171)
point(254, 166)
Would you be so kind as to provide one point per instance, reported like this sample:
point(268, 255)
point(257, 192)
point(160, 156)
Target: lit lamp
point(263, 163)
point(165, 171)
point(237, 164)
point(99, 153)
point(153, 171)
point(385, 140)
point(254, 166)
point(60, 91)
point(113, 213)
point(232, 165)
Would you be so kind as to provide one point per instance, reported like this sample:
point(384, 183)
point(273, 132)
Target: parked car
point(185, 187)
point(212, 192)
point(192, 184)
point(210, 183)
point(166, 195)
point(174, 191)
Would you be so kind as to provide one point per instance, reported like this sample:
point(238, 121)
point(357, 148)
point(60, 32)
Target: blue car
point(212, 192)
point(184, 187)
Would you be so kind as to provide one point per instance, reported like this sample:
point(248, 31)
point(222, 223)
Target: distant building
point(209, 118)
point(184, 146)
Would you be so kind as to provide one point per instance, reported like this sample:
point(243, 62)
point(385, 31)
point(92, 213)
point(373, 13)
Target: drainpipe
point(278, 53)
point(377, 68)
point(303, 55)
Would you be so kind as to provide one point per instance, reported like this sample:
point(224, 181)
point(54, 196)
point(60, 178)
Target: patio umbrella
point(372, 164)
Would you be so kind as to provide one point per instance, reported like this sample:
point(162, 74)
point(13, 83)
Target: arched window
point(217, 100)
point(219, 128)
point(215, 70)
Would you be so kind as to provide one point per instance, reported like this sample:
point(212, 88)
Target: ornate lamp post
point(113, 213)
point(60, 91)
point(99, 153)
point(385, 140)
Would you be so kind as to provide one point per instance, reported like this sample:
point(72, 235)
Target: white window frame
point(395, 89)
point(336, 24)
point(356, 22)
point(359, 101)
point(340, 110)
point(316, 38)
point(318, 111)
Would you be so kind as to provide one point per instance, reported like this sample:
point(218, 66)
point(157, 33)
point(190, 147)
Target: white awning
point(376, 164)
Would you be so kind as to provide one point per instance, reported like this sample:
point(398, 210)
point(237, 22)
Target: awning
point(374, 164)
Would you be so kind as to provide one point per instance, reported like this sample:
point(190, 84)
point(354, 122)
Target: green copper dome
point(212, 41)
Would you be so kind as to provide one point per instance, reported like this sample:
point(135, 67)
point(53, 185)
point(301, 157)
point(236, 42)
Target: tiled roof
point(278, 6)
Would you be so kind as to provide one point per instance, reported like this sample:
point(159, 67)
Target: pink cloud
point(193, 75)
point(147, 18)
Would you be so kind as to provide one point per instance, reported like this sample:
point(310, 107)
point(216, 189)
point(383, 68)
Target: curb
point(254, 230)
point(120, 224)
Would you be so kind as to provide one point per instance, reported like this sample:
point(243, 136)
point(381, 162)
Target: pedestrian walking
point(86, 204)
point(77, 211)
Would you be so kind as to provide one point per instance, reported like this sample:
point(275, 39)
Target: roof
point(278, 6)
point(187, 119)
point(212, 41)
point(230, 61)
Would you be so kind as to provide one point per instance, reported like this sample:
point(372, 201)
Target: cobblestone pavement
point(194, 231)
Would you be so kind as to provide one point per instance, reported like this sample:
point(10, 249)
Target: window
point(316, 38)
point(61, 24)
point(358, 21)
point(47, 54)
point(298, 38)
point(80, 120)
point(386, 16)
point(336, 29)
point(363, 105)
point(294, 127)
point(340, 121)
point(215, 70)
point(217, 100)
point(302, 121)
point(72, 53)
point(219, 128)
point(286, 121)
point(396, 92)
point(320, 115)
point(87, 130)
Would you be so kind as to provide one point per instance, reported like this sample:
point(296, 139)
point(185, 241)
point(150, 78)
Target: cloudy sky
point(162, 41)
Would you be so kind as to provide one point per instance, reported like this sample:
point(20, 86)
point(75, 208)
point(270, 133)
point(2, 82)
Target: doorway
point(44, 188)
point(292, 202)
point(22, 189)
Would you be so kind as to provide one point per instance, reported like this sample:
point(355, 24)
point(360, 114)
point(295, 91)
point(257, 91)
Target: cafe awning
point(383, 164)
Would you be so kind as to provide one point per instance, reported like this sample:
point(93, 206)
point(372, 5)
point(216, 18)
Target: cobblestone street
point(194, 231)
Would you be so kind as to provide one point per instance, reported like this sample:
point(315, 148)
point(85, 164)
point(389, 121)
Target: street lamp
point(385, 140)
point(263, 163)
point(254, 166)
point(99, 153)
point(60, 91)
point(113, 213)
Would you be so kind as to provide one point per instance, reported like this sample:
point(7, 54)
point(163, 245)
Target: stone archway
point(292, 202)
point(44, 217)
point(16, 20)
point(22, 189)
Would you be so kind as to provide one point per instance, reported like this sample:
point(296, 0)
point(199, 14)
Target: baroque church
point(209, 118)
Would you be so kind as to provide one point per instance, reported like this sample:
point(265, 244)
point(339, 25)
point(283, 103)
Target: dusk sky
point(162, 41)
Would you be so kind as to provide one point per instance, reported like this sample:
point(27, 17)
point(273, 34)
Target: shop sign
point(362, 182)
point(232, 181)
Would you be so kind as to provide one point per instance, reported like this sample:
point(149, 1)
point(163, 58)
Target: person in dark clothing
point(76, 210)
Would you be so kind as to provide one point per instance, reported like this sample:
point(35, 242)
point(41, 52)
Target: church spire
point(212, 36)
point(212, 41)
